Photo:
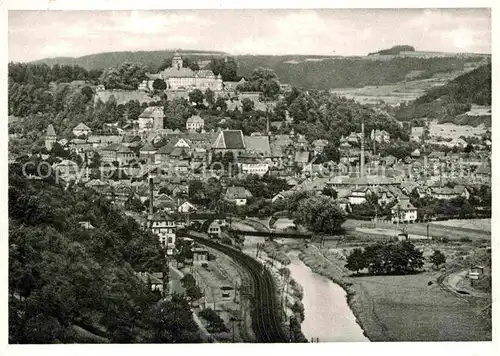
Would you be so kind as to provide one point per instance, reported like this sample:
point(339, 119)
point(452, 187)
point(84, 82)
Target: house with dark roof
point(229, 141)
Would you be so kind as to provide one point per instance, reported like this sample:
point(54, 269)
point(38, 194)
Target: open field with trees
point(412, 307)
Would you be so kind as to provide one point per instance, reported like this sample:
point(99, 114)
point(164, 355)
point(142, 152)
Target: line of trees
point(386, 258)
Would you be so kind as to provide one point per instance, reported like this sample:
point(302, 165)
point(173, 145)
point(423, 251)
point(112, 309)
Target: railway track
point(266, 320)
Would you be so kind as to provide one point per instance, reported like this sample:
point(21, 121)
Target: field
point(411, 307)
point(474, 229)
point(408, 309)
point(396, 93)
point(474, 224)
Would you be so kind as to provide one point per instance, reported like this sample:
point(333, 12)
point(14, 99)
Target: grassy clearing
point(473, 224)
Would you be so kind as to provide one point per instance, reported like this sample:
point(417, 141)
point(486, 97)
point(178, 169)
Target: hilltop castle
point(179, 78)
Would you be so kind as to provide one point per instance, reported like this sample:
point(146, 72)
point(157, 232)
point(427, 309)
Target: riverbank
point(402, 308)
point(328, 317)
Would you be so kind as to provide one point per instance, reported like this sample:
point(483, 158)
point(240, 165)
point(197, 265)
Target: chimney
point(151, 187)
point(362, 166)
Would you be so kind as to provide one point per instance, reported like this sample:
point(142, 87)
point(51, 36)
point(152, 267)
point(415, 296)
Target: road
point(266, 319)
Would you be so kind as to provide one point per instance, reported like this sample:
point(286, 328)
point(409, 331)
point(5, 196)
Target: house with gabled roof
point(147, 152)
point(238, 195)
point(229, 141)
point(163, 225)
point(259, 145)
point(151, 118)
point(81, 130)
point(404, 212)
point(195, 123)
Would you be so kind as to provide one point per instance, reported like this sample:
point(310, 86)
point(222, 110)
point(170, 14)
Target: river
point(327, 314)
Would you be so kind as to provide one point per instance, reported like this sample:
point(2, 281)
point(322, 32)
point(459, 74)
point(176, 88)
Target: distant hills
point(312, 72)
point(394, 50)
point(449, 102)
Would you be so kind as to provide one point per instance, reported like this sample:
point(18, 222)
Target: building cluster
point(148, 163)
point(178, 77)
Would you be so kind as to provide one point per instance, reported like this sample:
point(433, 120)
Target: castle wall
point(124, 96)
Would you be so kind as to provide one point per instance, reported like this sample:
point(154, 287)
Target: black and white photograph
point(249, 175)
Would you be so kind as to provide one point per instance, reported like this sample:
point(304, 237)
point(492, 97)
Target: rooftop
point(230, 139)
point(152, 112)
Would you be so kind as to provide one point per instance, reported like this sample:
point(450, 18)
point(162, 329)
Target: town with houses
point(222, 226)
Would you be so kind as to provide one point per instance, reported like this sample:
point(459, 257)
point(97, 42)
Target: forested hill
point(66, 282)
point(151, 59)
point(394, 50)
point(312, 72)
point(452, 99)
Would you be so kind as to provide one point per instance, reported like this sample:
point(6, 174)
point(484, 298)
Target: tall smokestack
point(362, 148)
point(151, 187)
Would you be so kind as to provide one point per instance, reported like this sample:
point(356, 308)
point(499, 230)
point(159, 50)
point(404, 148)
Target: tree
point(437, 258)
point(320, 214)
point(247, 105)
point(220, 103)
point(172, 321)
point(126, 76)
point(330, 153)
point(356, 260)
point(159, 84)
point(95, 161)
point(196, 97)
point(210, 96)
point(59, 151)
point(196, 192)
point(134, 204)
point(87, 92)
point(215, 322)
point(329, 191)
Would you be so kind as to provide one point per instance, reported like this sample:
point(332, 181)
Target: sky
point(40, 34)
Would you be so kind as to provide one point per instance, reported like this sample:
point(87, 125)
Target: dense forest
point(63, 277)
point(452, 99)
point(297, 70)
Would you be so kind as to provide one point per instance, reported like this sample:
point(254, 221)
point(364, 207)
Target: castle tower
point(177, 61)
point(50, 137)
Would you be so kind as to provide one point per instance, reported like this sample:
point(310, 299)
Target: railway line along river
point(327, 314)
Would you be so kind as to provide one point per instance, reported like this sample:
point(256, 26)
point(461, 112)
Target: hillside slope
point(63, 276)
point(452, 99)
point(313, 72)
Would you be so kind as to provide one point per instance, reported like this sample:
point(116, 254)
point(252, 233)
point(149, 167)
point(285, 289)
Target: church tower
point(177, 61)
